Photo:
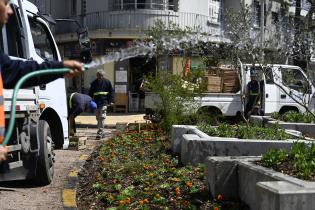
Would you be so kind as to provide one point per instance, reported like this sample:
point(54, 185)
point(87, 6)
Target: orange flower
point(219, 197)
point(146, 200)
point(157, 196)
point(177, 191)
point(216, 208)
point(121, 203)
point(141, 202)
point(101, 158)
point(189, 184)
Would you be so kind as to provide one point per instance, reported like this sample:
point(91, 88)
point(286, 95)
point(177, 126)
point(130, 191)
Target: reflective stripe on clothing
point(70, 100)
point(2, 117)
point(100, 93)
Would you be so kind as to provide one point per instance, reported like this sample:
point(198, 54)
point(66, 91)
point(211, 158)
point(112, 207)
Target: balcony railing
point(138, 20)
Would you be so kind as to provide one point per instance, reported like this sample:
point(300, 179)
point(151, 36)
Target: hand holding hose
point(75, 68)
point(3, 153)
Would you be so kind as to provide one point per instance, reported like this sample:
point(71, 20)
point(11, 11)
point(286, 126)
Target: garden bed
point(137, 171)
point(303, 123)
point(259, 187)
point(195, 145)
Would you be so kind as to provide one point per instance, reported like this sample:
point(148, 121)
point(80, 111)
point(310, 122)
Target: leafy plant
point(177, 97)
point(292, 116)
point(274, 157)
point(300, 160)
point(158, 181)
point(244, 132)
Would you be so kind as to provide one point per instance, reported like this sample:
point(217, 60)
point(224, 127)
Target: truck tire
point(45, 162)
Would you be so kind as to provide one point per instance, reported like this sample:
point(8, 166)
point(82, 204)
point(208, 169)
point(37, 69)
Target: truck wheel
point(45, 163)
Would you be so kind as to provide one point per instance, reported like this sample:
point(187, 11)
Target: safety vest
point(2, 117)
point(70, 100)
point(100, 93)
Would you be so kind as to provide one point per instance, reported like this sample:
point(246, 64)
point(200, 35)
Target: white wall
point(198, 6)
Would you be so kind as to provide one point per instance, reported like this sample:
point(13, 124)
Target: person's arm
point(91, 91)
point(111, 93)
point(13, 70)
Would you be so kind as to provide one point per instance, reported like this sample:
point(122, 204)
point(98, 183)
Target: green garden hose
point(16, 90)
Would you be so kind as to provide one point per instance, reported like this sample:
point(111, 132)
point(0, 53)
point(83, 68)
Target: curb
point(69, 191)
point(70, 186)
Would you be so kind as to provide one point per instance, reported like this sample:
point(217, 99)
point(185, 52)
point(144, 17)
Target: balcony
point(142, 20)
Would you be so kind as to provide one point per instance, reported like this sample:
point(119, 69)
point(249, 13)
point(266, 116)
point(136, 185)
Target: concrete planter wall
point(305, 128)
point(194, 145)
point(261, 188)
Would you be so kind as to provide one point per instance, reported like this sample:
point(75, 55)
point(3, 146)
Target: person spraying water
point(13, 70)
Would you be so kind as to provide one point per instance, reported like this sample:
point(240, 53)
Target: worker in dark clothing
point(253, 94)
point(102, 92)
point(78, 103)
point(13, 70)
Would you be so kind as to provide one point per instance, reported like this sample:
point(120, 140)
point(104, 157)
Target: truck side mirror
point(85, 45)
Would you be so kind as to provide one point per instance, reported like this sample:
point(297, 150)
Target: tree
point(281, 43)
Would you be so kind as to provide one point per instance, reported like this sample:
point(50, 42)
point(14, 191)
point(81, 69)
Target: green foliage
point(158, 182)
point(292, 116)
point(177, 97)
point(243, 132)
point(301, 158)
point(274, 157)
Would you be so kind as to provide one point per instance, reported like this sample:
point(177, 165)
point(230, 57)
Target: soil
point(86, 197)
point(288, 169)
point(85, 194)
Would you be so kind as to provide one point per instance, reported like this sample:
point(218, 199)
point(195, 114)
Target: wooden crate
point(230, 81)
point(214, 84)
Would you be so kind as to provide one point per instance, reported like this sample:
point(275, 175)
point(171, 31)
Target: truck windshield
point(43, 42)
point(294, 79)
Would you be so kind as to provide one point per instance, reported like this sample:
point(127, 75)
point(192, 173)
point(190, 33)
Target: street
point(23, 195)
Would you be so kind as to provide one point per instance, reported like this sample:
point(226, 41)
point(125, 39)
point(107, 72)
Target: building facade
point(114, 24)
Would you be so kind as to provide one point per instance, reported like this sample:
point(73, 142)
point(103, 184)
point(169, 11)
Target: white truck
point(41, 118)
point(277, 81)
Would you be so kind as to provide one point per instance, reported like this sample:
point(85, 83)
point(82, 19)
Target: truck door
point(270, 92)
point(296, 87)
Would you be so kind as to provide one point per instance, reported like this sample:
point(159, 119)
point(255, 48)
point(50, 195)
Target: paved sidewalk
point(89, 121)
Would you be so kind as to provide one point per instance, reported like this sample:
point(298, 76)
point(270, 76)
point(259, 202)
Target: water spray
point(140, 49)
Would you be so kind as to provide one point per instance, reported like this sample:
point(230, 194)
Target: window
point(257, 13)
point(214, 11)
point(129, 4)
point(269, 76)
point(143, 4)
point(73, 7)
point(157, 4)
point(43, 41)
point(275, 17)
point(11, 36)
point(294, 79)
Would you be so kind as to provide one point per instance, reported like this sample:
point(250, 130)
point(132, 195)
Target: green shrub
point(292, 116)
point(274, 157)
point(244, 132)
point(301, 159)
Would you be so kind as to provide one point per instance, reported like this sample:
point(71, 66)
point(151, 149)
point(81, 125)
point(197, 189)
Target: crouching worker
point(77, 104)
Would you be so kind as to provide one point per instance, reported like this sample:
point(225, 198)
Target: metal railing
point(144, 20)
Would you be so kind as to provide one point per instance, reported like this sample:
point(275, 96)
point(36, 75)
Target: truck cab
point(286, 88)
point(41, 118)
